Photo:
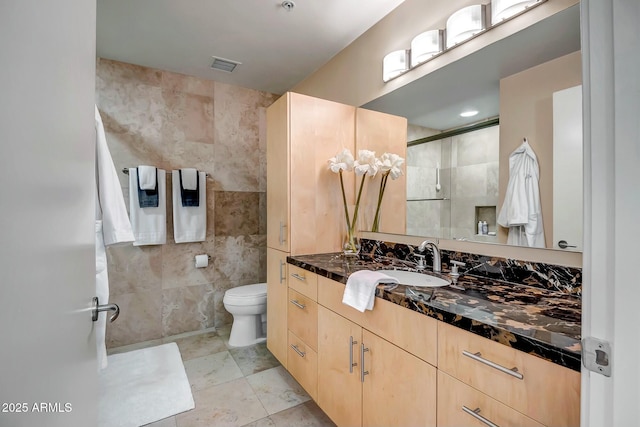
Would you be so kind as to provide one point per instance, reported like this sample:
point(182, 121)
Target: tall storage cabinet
point(305, 211)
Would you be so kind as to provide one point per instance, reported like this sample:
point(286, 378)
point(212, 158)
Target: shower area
point(452, 183)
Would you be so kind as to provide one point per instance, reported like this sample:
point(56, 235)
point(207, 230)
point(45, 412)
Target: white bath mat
point(143, 386)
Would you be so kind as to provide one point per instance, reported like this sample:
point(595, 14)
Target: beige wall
point(526, 110)
point(170, 121)
point(354, 76)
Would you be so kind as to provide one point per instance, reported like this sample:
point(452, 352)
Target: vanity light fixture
point(465, 23)
point(468, 113)
point(425, 45)
point(394, 64)
point(505, 9)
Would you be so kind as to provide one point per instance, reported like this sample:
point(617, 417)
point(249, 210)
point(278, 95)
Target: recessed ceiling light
point(469, 113)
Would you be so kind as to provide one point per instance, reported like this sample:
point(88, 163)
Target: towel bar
point(126, 172)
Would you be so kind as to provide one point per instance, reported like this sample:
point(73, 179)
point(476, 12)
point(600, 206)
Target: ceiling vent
point(224, 64)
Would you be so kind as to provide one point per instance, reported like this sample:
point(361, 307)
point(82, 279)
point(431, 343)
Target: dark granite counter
point(537, 321)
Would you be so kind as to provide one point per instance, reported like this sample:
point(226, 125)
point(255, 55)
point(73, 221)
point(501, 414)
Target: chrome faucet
point(437, 264)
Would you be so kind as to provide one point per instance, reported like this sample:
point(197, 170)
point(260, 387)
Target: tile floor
point(237, 386)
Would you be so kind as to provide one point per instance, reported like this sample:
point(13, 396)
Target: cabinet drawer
point(303, 281)
point(303, 365)
point(456, 400)
point(542, 390)
point(409, 330)
point(302, 318)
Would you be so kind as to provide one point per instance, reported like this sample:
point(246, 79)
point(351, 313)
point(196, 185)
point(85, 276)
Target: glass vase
point(351, 241)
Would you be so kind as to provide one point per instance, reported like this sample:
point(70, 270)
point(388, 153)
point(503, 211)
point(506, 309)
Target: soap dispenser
point(479, 227)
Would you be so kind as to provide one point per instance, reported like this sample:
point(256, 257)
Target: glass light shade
point(464, 24)
point(425, 45)
point(394, 64)
point(503, 9)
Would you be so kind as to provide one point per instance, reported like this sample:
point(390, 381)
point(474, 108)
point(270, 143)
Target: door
point(399, 389)
point(567, 169)
point(611, 65)
point(47, 227)
point(339, 379)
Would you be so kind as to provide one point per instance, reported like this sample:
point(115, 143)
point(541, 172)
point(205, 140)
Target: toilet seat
point(246, 295)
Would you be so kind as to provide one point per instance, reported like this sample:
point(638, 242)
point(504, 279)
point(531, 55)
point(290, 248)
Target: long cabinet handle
point(282, 276)
point(363, 350)
point(281, 238)
point(297, 304)
point(297, 350)
point(475, 413)
point(478, 357)
point(352, 342)
point(299, 277)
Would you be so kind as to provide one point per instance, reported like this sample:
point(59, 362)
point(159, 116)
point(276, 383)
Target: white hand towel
point(149, 223)
point(189, 178)
point(147, 175)
point(189, 222)
point(360, 291)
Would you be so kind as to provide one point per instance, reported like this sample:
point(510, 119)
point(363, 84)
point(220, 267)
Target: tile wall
point(169, 120)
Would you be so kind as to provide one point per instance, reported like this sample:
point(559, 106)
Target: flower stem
point(344, 202)
point(376, 219)
point(355, 211)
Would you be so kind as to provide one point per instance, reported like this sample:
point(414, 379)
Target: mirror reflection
point(458, 174)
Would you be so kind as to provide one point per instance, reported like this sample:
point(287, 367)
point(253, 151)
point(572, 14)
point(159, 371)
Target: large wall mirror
point(526, 85)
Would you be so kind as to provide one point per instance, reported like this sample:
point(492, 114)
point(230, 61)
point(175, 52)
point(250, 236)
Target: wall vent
point(222, 64)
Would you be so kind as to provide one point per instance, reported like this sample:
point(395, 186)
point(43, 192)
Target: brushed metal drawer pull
point(281, 238)
point(297, 304)
point(297, 350)
point(352, 342)
point(475, 413)
point(362, 371)
point(478, 357)
point(297, 276)
point(282, 277)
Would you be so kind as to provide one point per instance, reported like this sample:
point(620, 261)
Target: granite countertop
point(537, 321)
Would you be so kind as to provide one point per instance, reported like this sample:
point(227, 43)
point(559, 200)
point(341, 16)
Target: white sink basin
point(412, 278)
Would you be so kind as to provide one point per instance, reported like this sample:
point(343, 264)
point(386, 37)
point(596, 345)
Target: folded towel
point(189, 187)
point(360, 291)
point(147, 186)
point(189, 222)
point(149, 223)
point(147, 177)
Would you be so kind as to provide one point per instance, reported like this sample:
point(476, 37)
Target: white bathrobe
point(112, 227)
point(521, 211)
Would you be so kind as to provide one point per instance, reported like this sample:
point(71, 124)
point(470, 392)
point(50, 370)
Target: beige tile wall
point(169, 120)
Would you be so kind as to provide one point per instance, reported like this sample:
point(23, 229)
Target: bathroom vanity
point(496, 352)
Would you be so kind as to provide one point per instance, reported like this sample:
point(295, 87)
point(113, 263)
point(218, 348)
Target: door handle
point(563, 244)
point(97, 308)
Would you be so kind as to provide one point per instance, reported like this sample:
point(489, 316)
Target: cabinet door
point(382, 133)
point(320, 129)
point(339, 386)
point(278, 188)
point(277, 304)
point(399, 389)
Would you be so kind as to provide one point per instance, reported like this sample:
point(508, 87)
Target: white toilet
point(248, 305)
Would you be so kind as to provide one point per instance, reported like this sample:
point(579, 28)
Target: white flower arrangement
point(367, 165)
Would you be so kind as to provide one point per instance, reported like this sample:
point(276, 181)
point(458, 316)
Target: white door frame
point(611, 91)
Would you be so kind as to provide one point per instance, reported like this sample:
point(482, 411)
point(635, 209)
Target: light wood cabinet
point(302, 315)
point(542, 390)
point(365, 380)
point(462, 405)
point(339, 383)
point(303, 364)
point(304, 201)
point(409, 330)
point(277, 293)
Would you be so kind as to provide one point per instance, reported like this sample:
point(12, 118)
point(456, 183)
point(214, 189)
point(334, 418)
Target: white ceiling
point(277, 48)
